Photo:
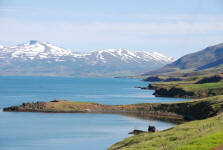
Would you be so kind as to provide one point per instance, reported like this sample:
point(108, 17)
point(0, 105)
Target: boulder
point(136, 132)
point(151, 129)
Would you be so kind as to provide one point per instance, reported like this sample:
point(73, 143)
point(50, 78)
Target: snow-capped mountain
point(42, 58)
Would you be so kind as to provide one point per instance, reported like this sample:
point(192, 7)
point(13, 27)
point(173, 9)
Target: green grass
point(189, 85)
point(204, 143)
point(191, 89)
point(206, 86)
point(196, 135)
point(67, 105)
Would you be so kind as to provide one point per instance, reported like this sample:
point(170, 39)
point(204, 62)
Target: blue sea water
point(110, 91)
point(49, 131)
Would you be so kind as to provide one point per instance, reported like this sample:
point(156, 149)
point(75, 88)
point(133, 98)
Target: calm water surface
point(48, 131)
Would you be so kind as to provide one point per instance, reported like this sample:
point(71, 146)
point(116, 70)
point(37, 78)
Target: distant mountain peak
point(35, 57)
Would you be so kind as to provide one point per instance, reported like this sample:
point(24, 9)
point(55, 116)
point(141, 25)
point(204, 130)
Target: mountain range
point(209, 59)
point(42, 58)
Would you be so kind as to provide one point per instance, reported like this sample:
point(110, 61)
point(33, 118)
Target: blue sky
point(171, 27)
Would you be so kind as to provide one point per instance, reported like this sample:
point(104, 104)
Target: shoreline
point(185, 110)
point(203, 133)
point(93, 108)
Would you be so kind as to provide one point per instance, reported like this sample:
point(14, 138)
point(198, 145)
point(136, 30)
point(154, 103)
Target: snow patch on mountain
point(38, 50)
point(101, 61)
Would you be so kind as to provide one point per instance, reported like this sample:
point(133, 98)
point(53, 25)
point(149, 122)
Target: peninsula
point(186, 110)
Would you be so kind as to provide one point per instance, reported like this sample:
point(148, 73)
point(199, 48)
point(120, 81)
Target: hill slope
point(208, 58)
point(42, 58)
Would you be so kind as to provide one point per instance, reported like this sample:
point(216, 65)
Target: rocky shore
point(162, 79)
point(169, 92)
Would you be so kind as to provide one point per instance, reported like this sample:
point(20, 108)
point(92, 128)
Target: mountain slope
point(42, 58)
point(208, 58)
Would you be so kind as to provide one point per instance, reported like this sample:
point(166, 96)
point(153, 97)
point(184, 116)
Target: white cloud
point(116, 34)
point(13, 29)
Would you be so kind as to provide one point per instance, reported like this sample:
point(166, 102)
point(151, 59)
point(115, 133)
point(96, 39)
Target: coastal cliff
point(193, 87)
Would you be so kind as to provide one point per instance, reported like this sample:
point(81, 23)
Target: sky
point(171, 27)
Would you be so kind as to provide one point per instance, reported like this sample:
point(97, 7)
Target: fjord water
point(110, 91)
point(39, 131)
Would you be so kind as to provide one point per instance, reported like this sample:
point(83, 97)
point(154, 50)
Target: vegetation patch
point(198, 87)
point(195, 135)
point(187, 110)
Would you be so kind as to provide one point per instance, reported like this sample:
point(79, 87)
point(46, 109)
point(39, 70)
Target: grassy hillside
point(196, 135)
point(193, 87)
point(208, 58)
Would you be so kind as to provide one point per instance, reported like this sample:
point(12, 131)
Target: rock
point(160, 79)
point(172, 92)
point(136, 132)
point(54, 101)
point(31, 107)
point(12, 108)
point(149, 87)
point(87, 110)
point(151, 129)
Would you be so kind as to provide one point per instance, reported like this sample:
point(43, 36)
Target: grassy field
point(205, 86)
point(195, 135)
point(64, 105)
point(188, 88)
point(189, 85)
